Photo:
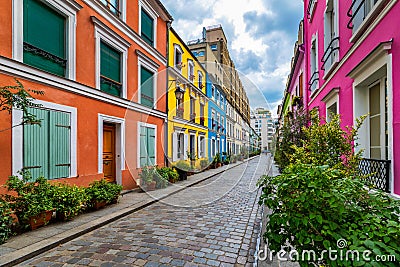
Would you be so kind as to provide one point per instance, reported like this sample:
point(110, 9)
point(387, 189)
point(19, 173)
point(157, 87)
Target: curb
point(42, 246)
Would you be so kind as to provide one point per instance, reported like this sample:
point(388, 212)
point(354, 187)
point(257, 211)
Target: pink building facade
point(352, 68)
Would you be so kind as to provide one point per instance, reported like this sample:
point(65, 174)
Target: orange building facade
point(101, 65)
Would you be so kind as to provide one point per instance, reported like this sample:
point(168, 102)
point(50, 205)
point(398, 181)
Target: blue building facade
point(216, 118)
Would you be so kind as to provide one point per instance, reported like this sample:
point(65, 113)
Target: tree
point(17, 97)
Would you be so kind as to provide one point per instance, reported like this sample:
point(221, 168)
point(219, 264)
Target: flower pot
point(219, 164)
point(61, 217)
point(40, 219)
point(182, 175)
point(99, 204)
point(151, 186)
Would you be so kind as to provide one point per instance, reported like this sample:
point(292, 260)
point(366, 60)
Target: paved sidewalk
point(30, 244)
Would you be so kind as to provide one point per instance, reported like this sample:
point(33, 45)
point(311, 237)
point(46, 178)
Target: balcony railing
point(310, 8)
point(313, 83)
point(376, 172)
point(331, 54)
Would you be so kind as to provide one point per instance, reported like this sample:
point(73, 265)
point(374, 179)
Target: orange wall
point(87, 108)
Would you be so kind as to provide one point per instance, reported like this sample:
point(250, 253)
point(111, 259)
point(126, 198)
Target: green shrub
point(31, 199)
point(204, 164)
point(161, 177)
point(103, 191)
point(5, 220)
point(69, 200)
point(170, 174)
point(183, 166)
point(315, 206)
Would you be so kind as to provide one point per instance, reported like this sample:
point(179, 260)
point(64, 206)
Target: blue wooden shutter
point(147, 87)
point(36, 144)
point(60, 144)
point(151, 146)
point(44, 37)
point(143, 147)
point(147, 28)
point(110, 70)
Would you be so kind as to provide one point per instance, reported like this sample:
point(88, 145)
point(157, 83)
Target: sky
point(261, 36)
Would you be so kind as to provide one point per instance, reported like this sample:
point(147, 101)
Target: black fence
point(377, 173)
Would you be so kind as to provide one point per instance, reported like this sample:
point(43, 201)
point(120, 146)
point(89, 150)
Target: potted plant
point(192, 157)
point(217, 160)
point(32, 203)
point(147, 176)
point(6, 220)
point(68, 200)
point(203, 164)
point(162, 177)
point(101, 193)
point(182, 167)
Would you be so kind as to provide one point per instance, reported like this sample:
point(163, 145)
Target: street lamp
point(179, 91)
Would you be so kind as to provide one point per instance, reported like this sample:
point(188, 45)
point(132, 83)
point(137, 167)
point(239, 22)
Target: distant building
point(263, 124)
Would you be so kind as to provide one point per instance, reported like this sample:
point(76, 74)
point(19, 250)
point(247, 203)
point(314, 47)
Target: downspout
point(166, 161)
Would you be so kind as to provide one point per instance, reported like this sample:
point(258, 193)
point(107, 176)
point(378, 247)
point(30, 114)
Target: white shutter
point(185, 146)
point(199, 152)
point(174, 147)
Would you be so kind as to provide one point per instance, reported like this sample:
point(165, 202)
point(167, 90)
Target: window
point(178, 57)
point(200, 54)
point(212, 91)
point(375, 123)
point(112, 5)
point(146, 87)
point(314, 66)
point(331, 111)
point(213, 147)
point(192, 108)
point(147, 146)
point(47, 147)
point(110, 70)
point(214, 47)
point(331, 41)
point(200, 80)
point(44, 38)
point(192, 149)
point(147, 27)
point(202, 114)
point(181, 150)
point(360, 11)
point(217, 97)
point(191, 70)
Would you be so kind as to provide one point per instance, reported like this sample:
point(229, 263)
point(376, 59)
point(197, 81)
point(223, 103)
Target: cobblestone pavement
point(215, 223)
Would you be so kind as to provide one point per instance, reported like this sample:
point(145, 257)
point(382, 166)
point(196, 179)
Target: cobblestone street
point(215, 223)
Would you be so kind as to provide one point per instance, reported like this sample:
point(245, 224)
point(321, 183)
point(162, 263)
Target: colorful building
point(216, 118)
point(352, 68)
point(104, 105)
point(187, 104)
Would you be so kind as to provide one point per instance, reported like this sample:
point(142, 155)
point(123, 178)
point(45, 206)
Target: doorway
point(109, 159)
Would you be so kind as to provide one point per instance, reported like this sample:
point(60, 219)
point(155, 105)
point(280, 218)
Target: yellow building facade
point(187, 106)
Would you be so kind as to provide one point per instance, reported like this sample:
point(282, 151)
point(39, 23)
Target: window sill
point(373, 14)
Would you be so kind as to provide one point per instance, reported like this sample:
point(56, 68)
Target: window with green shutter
point(147, 87)
point(44, 38)
point(147, 146)
point(110, 70)
point(147, 27)
point(47, 146)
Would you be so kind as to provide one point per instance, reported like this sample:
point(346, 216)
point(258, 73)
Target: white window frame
point(104, 34)
point(190, 66)
point(119, 144)
point(143, 4)
point(331, 98)
point(327, 32)
point(151, 66)
point(200, 75)
point(68, 8)
point(178, 48)
point(18, 136)
point(121, 8)
point(147, 125)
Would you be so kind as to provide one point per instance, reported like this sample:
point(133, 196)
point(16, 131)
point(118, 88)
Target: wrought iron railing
point(310, 7)
point(40, 52)
point(313, 81)
point(330, 56)
point(376, 172)
point(352, 14)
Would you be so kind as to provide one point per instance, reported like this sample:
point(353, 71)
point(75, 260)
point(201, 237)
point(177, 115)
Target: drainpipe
point(166, 161)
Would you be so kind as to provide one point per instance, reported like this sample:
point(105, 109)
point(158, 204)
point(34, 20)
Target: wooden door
point(109, 164)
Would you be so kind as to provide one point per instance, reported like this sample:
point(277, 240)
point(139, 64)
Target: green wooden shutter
point(143, 147)
point(151, 146)
point(147, 87)
point(44, 29)
point(147, 28)
point(60, 144)
point(36, 144)
point(110, 70)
